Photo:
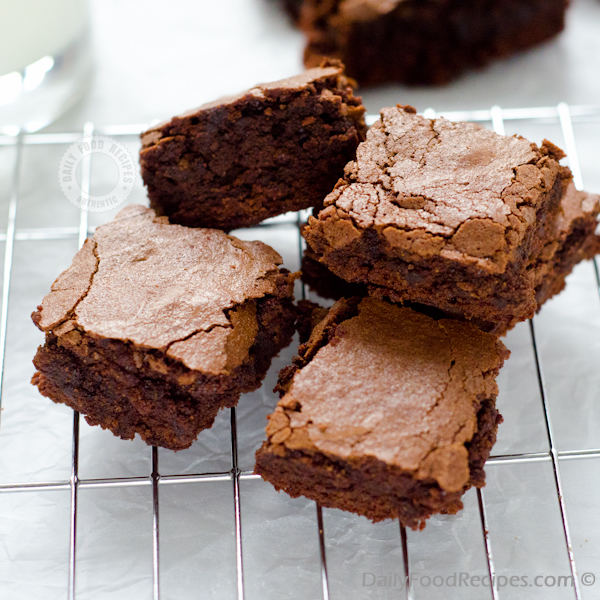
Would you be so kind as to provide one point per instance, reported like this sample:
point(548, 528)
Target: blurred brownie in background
point(423, 41)
point(293, 8)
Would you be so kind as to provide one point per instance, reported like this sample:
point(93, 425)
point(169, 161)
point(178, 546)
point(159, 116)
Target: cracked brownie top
point(186, 292)
point(434, 187)
point(384, 381)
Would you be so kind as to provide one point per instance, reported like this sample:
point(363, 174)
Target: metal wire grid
point(562, 113)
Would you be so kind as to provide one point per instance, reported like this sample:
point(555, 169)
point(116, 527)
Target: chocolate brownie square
point(574, 240)
point(385, 412)
point(424, 41)
point(234, 162)
point(443, 214)
point(155, 327)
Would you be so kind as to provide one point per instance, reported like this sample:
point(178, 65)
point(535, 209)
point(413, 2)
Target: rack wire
point(562, 114)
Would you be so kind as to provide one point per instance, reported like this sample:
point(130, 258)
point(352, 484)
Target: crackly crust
point(574, 239)
point(164, 287)
point(445, 214)
point(155, 327)
point(433, 187)
point(384, 386)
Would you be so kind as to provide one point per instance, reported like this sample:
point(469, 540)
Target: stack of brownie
point(451, 220)
point(436, 238)
point(163, 319)
point(482, 226)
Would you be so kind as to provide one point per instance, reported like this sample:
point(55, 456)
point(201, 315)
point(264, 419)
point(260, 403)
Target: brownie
point(293, 8)
point(234, 162)
point(575, 240)
point(385, 412)
point(443, 214)
point(323, 282)
point(424, 41)
point(154, 327)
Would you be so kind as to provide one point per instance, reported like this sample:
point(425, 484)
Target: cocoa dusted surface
point(385, 412)
point(237, 161)
point(423, 41)
point(155, 327)
point(443, 214)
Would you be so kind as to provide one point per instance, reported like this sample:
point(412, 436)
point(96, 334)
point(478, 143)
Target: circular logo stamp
point(117, 168)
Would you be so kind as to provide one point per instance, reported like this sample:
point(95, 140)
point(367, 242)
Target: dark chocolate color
point(424, 41)
point(155, 327)
point(234, 162)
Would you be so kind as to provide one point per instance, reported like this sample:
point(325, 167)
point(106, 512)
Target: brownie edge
point(369, 487)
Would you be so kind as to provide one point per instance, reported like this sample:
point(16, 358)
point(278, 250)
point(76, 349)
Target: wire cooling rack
point(532, 532)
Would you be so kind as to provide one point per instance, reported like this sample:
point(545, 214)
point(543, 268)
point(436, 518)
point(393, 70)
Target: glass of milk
point(45, 60)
